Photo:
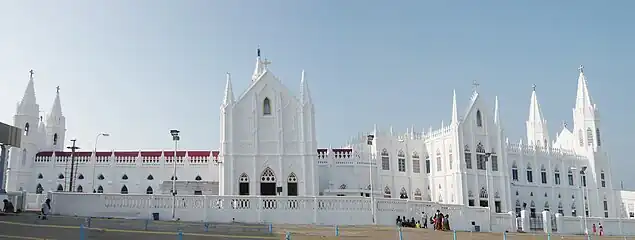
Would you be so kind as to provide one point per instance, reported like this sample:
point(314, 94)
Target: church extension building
point(269, 147)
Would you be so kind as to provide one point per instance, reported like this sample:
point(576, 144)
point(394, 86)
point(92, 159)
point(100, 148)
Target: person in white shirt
point(46, 209)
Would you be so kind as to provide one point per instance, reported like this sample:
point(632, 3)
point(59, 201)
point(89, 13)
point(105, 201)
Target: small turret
point(455, 113)
point(305, 93)
point(537, 133)
point(56, 124)
point(229, 92)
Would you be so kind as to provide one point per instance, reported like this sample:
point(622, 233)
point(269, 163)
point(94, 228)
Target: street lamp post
point(584, 201)
point(95, 157)
point(370, 170)
point(73, 167)
point(175, 138)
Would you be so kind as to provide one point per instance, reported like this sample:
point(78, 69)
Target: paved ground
point(27, 226)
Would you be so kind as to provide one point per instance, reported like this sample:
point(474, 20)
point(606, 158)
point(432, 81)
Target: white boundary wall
point(277, 210)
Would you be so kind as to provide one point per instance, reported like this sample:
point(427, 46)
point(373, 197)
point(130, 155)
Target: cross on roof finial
point(475, 85)
point(57, 89)
point(258, 50)
point(581, 68)
point(533, 86)
point(266, 63)
point(31, 73)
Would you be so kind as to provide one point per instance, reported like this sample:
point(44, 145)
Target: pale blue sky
point(136, 69)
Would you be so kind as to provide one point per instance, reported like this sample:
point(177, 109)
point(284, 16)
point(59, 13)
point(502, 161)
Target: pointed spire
point(583, 98)
point(229, 92)
point(29, 94)
point(455, 113)
point(496, 112)
point(56, 110)
point(536, 125)
point(392, 133)
point(305, 93)
point(261, 66)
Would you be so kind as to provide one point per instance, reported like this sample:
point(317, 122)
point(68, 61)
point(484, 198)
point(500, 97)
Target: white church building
point(269, 148)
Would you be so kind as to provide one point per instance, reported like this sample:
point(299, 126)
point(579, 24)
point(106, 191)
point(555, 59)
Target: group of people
point(598, 230)
point(45, 210)
point(439, 221)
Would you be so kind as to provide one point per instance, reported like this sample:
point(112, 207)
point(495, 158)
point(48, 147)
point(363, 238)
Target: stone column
point(546, 221)
point(524, 220)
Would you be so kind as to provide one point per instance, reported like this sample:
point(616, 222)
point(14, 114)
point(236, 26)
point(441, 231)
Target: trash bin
point(155, 216)
point(477, 228)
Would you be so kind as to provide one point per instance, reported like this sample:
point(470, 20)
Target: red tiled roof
point(44, 154)
point(198, 153)
point(61, 154)
point(103, 154)
point(171, 153)
point(126, 154)
point(83, 154)
point(167, 153)
point(151, 154)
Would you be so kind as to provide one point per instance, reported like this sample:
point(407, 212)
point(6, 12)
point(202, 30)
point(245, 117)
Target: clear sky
point(136, 69)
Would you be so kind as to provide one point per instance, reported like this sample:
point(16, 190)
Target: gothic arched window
point(589, 136)
point(198, 178)
point(26, 129)
point(266, 107)
point(55, 139)
point(385, 160)
point(149, 190)
point(597, 136)
point(479, 119)
point(581, 138)
point(150, 177)
point(124, 190)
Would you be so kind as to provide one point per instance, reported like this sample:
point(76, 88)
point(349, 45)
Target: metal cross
point(581, 68)
point(57, 89)
point(31, 73)
point(266, 62)
point(533, 86)
point(475, 85)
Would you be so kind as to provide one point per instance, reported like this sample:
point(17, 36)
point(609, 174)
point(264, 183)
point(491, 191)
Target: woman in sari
point(446, 223)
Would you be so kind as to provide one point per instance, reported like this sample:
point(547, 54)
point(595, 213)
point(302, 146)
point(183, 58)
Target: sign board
point(10, 135)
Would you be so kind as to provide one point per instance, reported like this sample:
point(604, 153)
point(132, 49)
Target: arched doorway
point(267, 183)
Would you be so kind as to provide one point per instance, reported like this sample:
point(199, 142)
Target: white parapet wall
point(276, 210)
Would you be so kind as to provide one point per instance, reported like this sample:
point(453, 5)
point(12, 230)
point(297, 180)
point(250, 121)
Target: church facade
point(269, 147)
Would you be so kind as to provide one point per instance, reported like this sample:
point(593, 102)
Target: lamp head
point(583, 169)
point(174, 132)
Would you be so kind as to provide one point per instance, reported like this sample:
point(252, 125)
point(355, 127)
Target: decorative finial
point(564, 124)
point(475, 85)
point(258, 50)
point(31, 73)
point(57, 89)
point(581, 68)
point(533, 86)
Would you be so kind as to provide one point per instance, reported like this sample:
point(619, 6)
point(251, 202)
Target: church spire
point(56, 110)
point(28, 100)
point(497, 114)
point(536, 125)
point(455, 113)
point(583, 98)
point(261, 66)
point(229, 92)
point(305, 93)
